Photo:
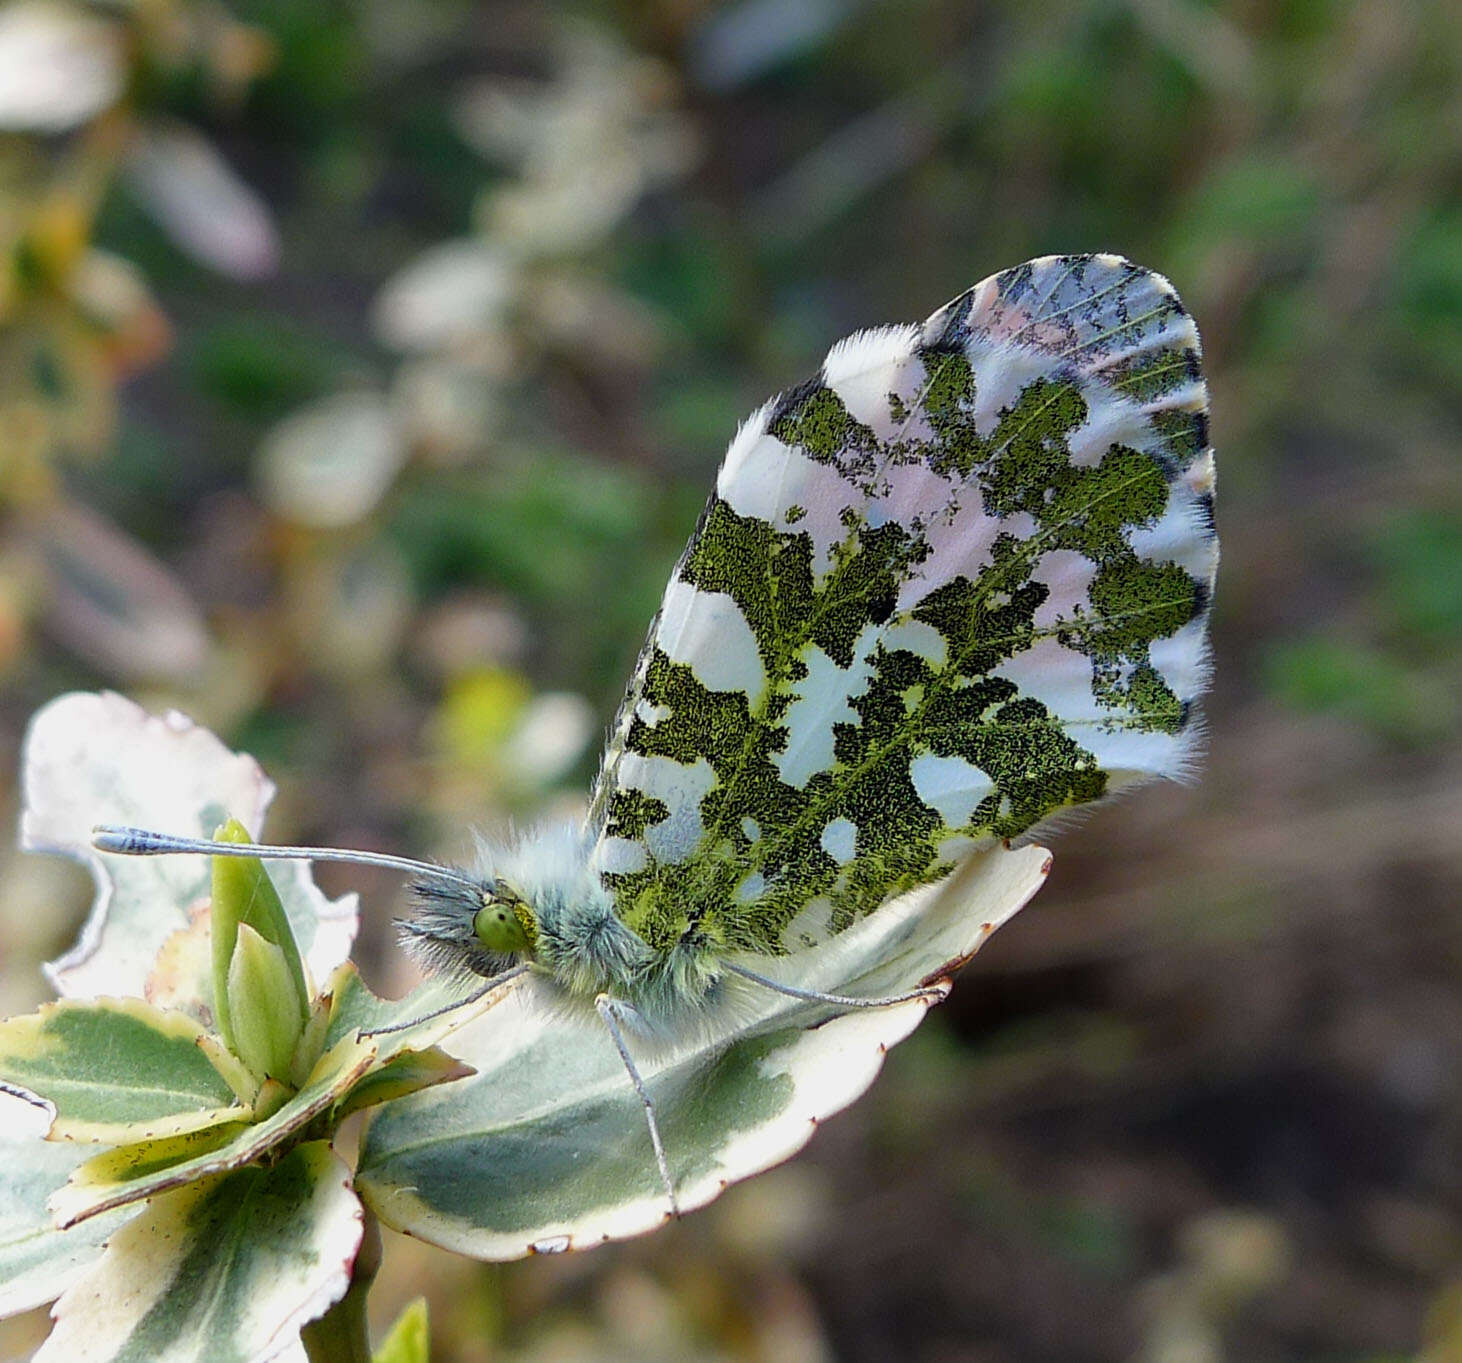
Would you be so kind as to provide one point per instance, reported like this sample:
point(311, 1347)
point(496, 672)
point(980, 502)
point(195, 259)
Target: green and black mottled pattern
point(742, 891)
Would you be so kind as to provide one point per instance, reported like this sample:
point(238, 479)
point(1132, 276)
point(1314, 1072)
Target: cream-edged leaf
point(125, 1164)
point(38, 1261)
point(545, 1148)
point(413, 1023)
point(337, 1073)
point(406, 1072)
point(226, 1270)
point(115, 1070)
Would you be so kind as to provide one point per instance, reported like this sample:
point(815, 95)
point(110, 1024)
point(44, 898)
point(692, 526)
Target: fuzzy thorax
point(569, 929)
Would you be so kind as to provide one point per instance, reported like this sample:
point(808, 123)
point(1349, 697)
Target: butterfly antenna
point(141, 842)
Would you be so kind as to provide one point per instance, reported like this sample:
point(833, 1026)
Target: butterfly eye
point(500, 929)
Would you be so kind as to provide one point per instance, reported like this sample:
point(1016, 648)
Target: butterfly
point(948, 589)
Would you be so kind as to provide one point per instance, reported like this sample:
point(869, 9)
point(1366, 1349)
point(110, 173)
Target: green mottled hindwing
point(953, 585)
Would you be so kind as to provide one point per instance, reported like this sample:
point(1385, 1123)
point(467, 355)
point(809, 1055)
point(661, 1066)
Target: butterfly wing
point(956, 583)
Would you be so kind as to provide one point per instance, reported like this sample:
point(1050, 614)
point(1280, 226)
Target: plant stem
point(341, 1335)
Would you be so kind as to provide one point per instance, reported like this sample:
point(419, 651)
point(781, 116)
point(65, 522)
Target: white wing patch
point(821, 700)
point(681, 787)
point(950, 786)
point(707, 632)
point(839, 840)
point(864, 369)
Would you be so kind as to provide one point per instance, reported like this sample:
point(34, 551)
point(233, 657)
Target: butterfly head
point(469, 928)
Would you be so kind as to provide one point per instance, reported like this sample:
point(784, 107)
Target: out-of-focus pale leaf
point(569, 213)
point(450, 410)
point(115, 1070)
point(40, 892)
point(60, 64)
point(353, 606)
point(587, 146)
point(587, 317)
point(502, 117)
point(551, 734)
point(226, 1270)
point(37, 1261)
point(467, 631)
point(99, 758)
point(449, 295)
point(196, 198)
point(113, 295)
point(546, 1149)
point(739, 42)
point(111, 602)
point(330, 464)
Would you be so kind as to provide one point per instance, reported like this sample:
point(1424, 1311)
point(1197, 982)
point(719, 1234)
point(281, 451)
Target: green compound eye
point(498, 929)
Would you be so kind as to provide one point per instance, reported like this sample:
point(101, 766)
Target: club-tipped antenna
point(142, 842)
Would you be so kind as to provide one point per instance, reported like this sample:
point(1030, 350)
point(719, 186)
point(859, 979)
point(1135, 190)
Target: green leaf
point(141, 1159)
point(409, 1339)
point(267, 1028)
point(226, 1270)
point(244, 896)
point(414, 1022)
point(116, 1070)
point(336, 1074)
point(402, 1074)
point(546, 1147)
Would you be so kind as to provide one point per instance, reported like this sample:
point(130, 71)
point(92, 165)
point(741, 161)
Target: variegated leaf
point(37, 1260)
point(103, 1184)
point(225, 1270)
point(115, 1070)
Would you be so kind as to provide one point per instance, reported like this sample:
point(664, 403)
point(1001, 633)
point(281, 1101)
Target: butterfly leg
point(933, 993)
point(477, 994)
point(609, 1011)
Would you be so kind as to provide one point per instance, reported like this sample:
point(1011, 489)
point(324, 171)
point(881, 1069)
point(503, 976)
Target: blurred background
point(364, 365)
